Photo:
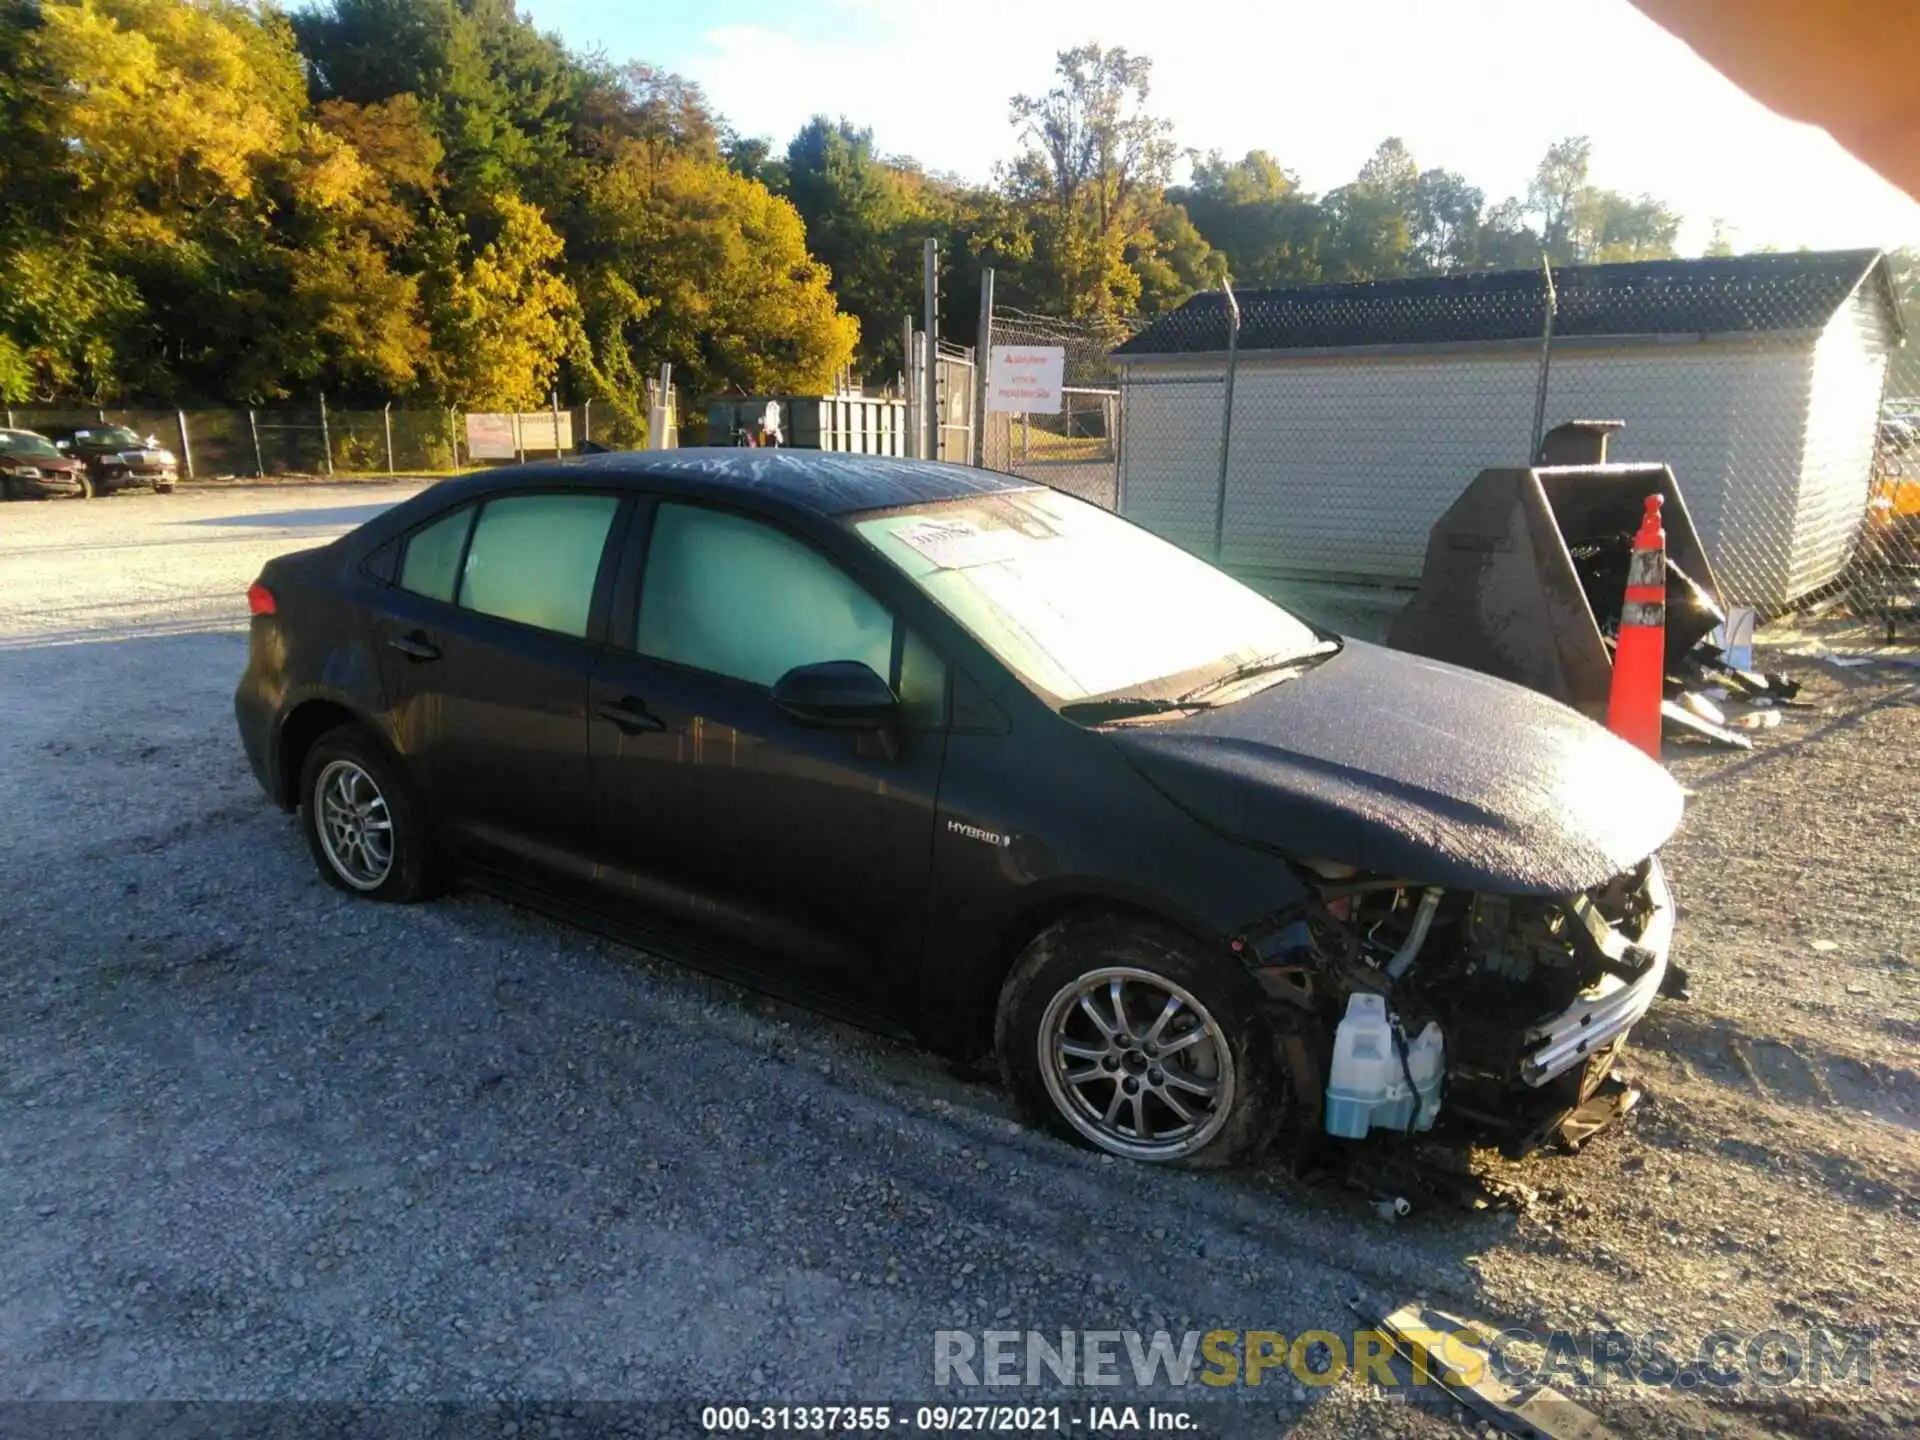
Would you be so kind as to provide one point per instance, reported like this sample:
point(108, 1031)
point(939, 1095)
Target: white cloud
point(1479, 86)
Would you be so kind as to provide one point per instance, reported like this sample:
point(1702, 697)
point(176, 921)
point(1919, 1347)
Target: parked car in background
point(116, 458)
point(32, 468)
point(979, 759)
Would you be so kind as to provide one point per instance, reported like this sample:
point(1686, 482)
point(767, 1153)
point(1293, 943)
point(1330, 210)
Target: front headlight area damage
point(1402, 1000)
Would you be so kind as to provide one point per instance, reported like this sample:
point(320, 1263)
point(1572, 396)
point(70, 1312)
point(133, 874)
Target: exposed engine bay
point(1400, 999)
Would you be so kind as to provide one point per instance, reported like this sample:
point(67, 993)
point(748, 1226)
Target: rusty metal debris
point(1446, 1349)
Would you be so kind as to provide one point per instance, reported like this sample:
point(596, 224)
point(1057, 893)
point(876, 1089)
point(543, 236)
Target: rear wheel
point(1116, 1033)
point(361, 823)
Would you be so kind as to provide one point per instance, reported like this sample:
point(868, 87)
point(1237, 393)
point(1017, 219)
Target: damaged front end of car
point(1405, 1003)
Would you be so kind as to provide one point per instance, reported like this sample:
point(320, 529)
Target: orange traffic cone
point(1640, 653)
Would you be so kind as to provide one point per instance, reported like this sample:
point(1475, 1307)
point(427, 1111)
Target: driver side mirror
point(63, 445)
point(836, 694)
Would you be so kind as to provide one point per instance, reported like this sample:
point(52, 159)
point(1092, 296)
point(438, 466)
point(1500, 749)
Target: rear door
point(813, 845)
point(488, 643)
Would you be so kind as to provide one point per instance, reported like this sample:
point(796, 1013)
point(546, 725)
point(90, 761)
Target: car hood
point(1419, 770)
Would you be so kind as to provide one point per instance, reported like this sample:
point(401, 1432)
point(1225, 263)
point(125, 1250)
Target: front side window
point(535, 559)
point(1078, 602)
point(731, 596)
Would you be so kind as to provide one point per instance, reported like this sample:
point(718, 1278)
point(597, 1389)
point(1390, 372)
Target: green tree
point(1253, 210)
point(1091, 170)
point(865, 224)
point(1445, 221)
point(501, 319)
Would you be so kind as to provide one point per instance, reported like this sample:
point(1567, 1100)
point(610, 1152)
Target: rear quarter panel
point(317, 646)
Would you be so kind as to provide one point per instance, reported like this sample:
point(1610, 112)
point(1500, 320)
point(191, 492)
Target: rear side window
point(432, 566)
point(535, 558)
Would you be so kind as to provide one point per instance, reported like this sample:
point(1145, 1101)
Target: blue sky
point(1478, 86)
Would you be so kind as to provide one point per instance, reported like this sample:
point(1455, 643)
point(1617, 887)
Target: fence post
point(519, 441)
point(10, 424)
point(453, 439)
point(386, 420)
point(586, 422)
point(326, 435)
point(930, 250)
point(1546, 364)
point(983, 361)
point(259, 462)
point(910, 383)
point(186, 445)
point(1226, 420)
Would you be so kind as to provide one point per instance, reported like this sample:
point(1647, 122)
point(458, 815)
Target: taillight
point(260, 599)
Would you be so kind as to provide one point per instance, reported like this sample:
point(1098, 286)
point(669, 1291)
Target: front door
point(488, 648)
point(814, 845)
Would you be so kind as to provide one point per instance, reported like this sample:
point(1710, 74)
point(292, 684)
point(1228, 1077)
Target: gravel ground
point(259, 1141)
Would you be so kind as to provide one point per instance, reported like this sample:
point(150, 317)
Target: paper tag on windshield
point(960, 544)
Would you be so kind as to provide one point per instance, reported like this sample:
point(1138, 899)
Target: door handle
point(415, 646)
point(630, 715)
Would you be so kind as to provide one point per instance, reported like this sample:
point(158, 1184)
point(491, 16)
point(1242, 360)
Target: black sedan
point(970, 758)
point(32, 468)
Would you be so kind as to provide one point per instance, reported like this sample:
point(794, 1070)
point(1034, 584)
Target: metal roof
point(1734, 295)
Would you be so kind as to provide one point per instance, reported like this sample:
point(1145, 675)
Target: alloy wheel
point(354, 825)
point(1136, 1064)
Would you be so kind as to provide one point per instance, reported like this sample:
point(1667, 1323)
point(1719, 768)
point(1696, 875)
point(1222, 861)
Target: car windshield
point(1082, 604)
point(16, 442)
point(113, 435)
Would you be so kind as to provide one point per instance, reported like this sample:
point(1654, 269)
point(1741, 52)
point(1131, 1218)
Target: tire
point(164, 488)
point(345, 768)
point(7, 492)
point(1200, 1103)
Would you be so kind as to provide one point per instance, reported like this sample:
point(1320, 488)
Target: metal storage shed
point(1360, 411)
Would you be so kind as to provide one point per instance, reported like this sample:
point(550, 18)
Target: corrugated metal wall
point(1843, 417)
point(1340, 465)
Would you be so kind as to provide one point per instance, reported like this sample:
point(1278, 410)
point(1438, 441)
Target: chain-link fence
point(1317, 432)
point(1078, 449)
point(302, 440)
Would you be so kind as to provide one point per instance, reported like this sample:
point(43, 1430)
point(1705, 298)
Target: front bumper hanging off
point(1610, 1007)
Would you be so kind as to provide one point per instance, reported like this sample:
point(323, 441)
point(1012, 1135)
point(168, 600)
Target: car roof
point(10, 434)
point(823, 482)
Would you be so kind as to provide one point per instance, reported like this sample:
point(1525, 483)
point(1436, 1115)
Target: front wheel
point(164, 487)
point(1118, 1034)
point(365, 832)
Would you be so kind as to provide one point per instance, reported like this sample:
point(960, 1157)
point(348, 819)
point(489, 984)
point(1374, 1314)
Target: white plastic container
point(1367, 1084)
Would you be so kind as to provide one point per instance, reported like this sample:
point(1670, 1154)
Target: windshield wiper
point(1125, 707)
point(1285, 660)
